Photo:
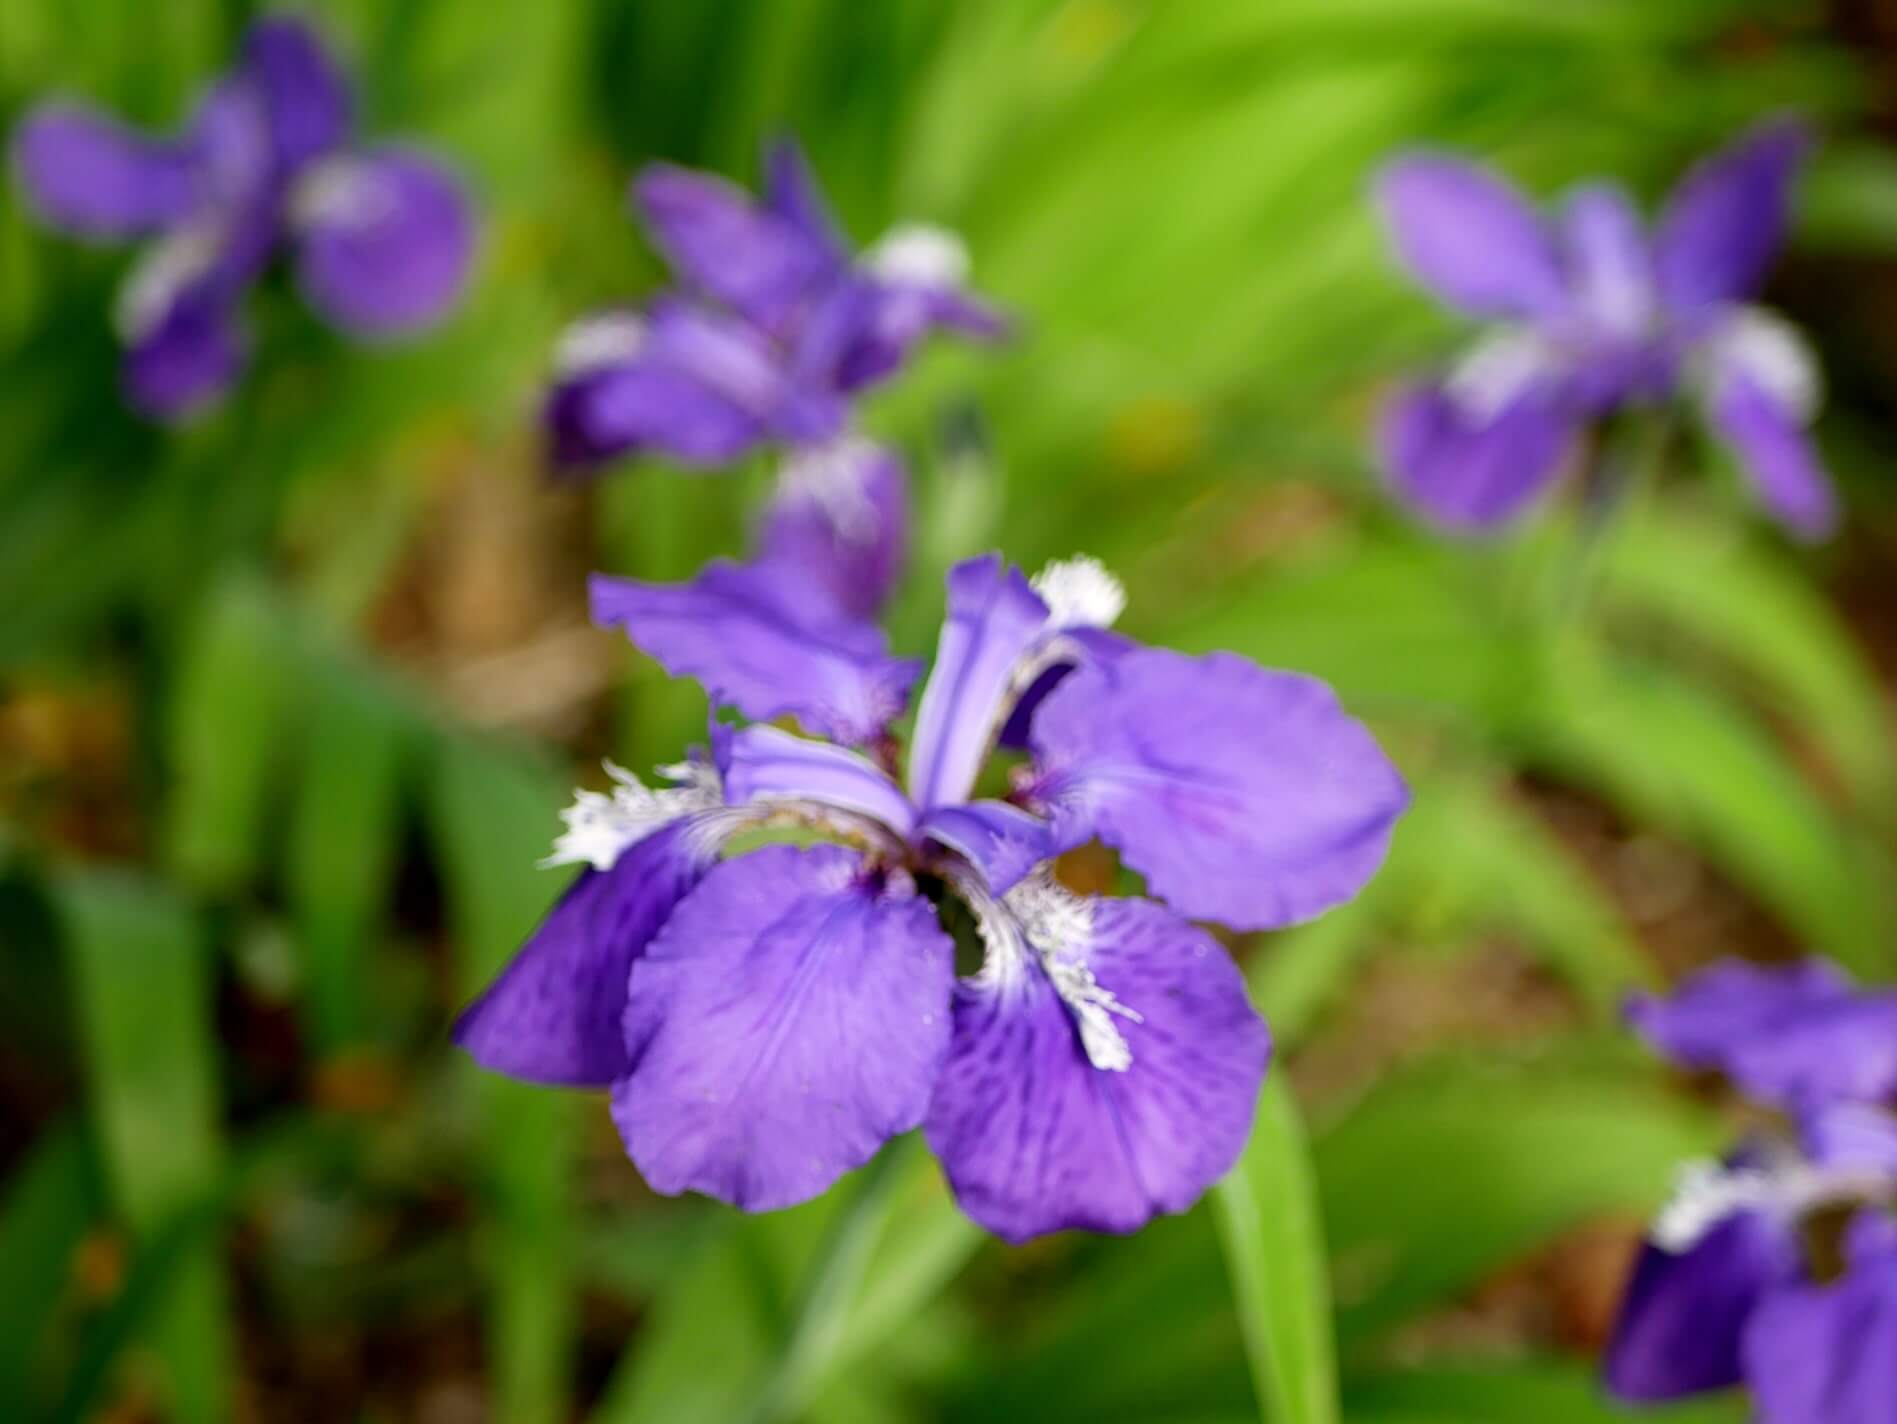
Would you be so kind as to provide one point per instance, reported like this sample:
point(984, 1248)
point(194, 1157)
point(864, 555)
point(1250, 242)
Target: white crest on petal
point(601, 826)
point(1059, 925)
point(1773, 353)
point(595, 342)
point(920, 255)
point(1499, 368)
point(341, 190)
point(1080, 593)
point(832, 477)
point(1705, 1193)
point(166, 269)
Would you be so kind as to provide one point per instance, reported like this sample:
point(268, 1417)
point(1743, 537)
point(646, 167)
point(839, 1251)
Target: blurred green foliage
point(230, 954)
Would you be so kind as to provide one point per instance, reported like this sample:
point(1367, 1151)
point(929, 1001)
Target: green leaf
point(140, 973)
point(1266, 1209)
point(1546, 1392)
point(50, 1204)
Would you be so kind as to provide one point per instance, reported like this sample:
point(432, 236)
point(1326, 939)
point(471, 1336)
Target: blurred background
point(289, 700)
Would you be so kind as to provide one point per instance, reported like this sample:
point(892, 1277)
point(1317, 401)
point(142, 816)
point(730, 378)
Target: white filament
point(602, 825)
point(832, 476)
point(1499, 368)
point(610, 339)
point(1080, 593)
point(917, 254)
point(1770, 351)
point(165, 270)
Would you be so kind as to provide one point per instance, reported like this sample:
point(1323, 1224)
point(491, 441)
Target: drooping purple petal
point(1034, 1138)
point(1795, 1036)
point(1724, 223)
point(1827, 1354)
point(186, 359)
point(1002, 841)
point(1471, 238)
point(556, 1014)
point(91, 175)
point(725, 245)
point(791, 1017)
point(306, 93)
point(1775, 454)
point(1242, 795)
point(1471, 473)
point(837, 528)
point(1684, 1314)
point(994, 619)
point(1610, 262)
point(729, 629)
point(767, 764)
point(387, 237)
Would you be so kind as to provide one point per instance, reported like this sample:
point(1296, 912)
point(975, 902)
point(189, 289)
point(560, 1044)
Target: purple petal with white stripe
point(91, 175)
point(1472, 473)
point(1684, 1313)
point(729, 629)
point(837, 529)
point(994, 619)
point(1035, 1139)
point(185, 360)
point(387, 238)
point(1471, 238)
point(1610, 261)
point(556, 1014)
point(1775, 453)
point(791, 1017)
point(1002, 841)
point(311, 109)
point(1726, 220)
point(767, 764)
point(1241, 794)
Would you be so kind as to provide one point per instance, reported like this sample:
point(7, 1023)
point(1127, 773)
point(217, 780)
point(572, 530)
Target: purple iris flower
point(767, 1016)
point(1596, 316)
point(774, 329)
point(1726, 1291)
point(382, 236)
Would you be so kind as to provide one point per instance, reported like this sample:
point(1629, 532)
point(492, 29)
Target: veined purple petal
point(791, 1017)
point(310, 106)
point(1242, 795)
point(1768, 439)
point(91, 175)
point(837, 528)
point(1610, 261)
point(1471, 473)
point(1471, 238)
point(1852, 1137)
point(556, 1014)
point(186, 359)
point(725, 245)
point(1034, 1138)
point(1827, 1354)
point(1684, 1314)
point(729, 629)
point(1002, 841)
point(1726, 220)
point(765, 764)
point(387, 237)
point(994, 619)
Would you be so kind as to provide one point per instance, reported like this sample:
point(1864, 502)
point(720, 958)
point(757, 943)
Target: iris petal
point(91, 175)
point(1726, 220)
point(1471, 238)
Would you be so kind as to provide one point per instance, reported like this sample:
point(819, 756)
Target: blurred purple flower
point(1724, 1293)
point(1594, 316)
point(382, 235)
point(774, 328)
point(767, 1020)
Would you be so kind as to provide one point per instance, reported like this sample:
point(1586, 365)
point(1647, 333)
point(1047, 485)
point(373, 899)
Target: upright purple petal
point(837, 528)
point(1827, 1354)
point(1034, 1138)
point(556, 1014)
point(1684, 1314)
point(1470, 473)
point(307, 94)
point(186, 359)
point(994, 620)
point(1852, 1137)
point(91, 175)
point(1002, 841)
point(729, 629)
point(1242, 795)
point(767, 764)
point(792, 195)
point(1775, 454)
point(791, 1017)
point(725, 245)
point(1081, 645)
point(1471, 238)
point(1725, 221)
point(1610, 261)
point(1700, 1023)
point(387, 237)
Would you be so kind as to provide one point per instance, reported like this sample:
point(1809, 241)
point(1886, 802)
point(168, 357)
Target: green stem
point(1627, 463)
